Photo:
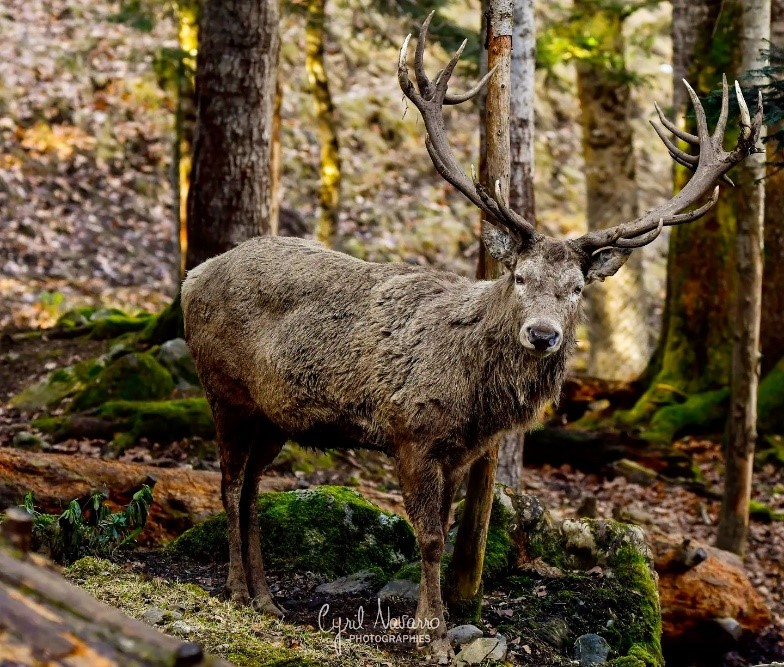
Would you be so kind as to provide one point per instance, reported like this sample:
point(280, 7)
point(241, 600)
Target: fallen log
point(182, 497)
point(44, 620)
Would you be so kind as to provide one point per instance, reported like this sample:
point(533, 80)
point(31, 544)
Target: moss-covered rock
point(770, 401)
point(700, 413)
point(124, 422)
point(329, 530)
point(242, 636)
point(59, 385)
point(132, 377)
point(115, 325)
point(583, 576)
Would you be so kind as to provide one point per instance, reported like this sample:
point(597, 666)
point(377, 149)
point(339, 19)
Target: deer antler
point(430, 97)
point(710, 167)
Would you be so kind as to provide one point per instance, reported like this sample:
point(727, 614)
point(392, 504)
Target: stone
point(353, 584)
point(483, 650)
point(555, 631)
point(591, 650)
point(175, 356)
point(181, 628)
point(634, 472)
point(399, 588)
point(716, 587)
point(154, 616)
point(26, 440)
point(731, 627)
point(463, 634)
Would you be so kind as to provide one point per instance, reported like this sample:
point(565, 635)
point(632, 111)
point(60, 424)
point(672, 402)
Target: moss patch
point(329, 530)
point(124, 422)
point(59, 385)
point(770, 401)
point(238, 634)
point(132, 377)
point(699, 413)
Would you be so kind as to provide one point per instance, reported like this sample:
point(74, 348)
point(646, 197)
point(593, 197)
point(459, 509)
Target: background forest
point(98, 391)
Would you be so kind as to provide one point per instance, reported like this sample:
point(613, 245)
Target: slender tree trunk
point(275, 157)
point(695, 354)
point(772, 327)
point(617, 309)
point(464, 587)
point(521, 183)
point(325, 114)
point(230, 196)
point(750, 195)
point(188, 12)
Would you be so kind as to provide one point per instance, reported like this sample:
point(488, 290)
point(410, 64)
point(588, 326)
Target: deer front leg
point(233, 467)
point(423, 487)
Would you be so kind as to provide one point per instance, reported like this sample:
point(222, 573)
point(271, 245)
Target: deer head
point(546, 276)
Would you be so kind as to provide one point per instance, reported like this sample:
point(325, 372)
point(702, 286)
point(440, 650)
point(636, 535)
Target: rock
point(353, 584)
point(399, 588)
point(713, 588)
point(591, 650)
point(463, 634)
point(26, 440)
point(731, 627)
point(485, 649)
point(555, 631)
point(329, 530)
point(154, 616)
point(634, 472)
point(175, 356)
point(181, 628)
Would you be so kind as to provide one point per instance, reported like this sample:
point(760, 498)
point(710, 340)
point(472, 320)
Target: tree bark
point(521, 183)
point(464, 586)
point(325, 115)
point(695, 351)
point(230, 196)
point(750, 196)
point(618, 309)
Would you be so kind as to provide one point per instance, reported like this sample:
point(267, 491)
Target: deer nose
point(543, 337)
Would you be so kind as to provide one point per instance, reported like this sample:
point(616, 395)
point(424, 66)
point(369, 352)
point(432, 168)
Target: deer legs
point(243, 459)
point(427, 494)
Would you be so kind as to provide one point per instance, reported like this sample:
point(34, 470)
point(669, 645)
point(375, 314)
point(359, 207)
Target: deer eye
point(578, 290)
point(518, 279)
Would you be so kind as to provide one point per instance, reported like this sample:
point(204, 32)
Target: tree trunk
point(230, 196)
point(750, 196)
point(464, 586)
point(275, 158)
point(617, 309)
point(325, 114)
point(695, 351)
point(772, 326)
point(521, 183)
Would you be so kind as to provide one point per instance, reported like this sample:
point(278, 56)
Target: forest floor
point(666, 511)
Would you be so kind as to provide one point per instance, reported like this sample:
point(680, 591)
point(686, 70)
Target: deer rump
point(336, 352)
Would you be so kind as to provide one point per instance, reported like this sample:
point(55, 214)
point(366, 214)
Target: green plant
point(89, 529)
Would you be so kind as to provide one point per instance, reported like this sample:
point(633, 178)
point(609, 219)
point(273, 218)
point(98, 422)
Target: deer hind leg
point(424, 488)
point(264, 452)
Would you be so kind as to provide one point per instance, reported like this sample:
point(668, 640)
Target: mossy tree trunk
point(325, 115)
point(464, 579)
point(695, 349)
point(230, 195)
point(750, 197)
point(617, 309)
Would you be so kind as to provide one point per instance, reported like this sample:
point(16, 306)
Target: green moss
point(76, 317)
point(761, 512)
point(235, 633)
point(294, 458)
point(166, 325)
point(132, 377)
point(770, 401)
point(115, 325)
point(697, 414)
point(59, 385)
point(330, 530)
point(127, 421)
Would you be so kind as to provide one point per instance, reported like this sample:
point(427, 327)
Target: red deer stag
point(295, 341)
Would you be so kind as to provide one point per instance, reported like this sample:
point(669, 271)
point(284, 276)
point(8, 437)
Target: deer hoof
point(237, 594)
point(263, 604)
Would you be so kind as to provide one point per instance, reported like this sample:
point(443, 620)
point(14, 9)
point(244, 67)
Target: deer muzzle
point(541, 336)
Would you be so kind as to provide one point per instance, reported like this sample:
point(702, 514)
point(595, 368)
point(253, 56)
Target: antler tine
point(683, 135)
point(429, 99)
point(512, 216)
point(710, 168)
point(721, 124)
point(419, 57)
point(699, 113)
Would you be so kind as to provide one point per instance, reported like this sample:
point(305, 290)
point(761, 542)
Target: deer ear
point(500, 245)
point(606, 263)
